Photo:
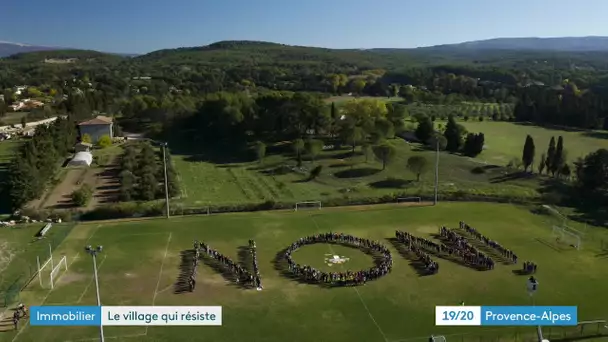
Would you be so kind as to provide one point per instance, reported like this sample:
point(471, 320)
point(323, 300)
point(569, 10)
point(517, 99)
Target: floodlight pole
point(166, 181)
point(93, 253)
point(436, 173)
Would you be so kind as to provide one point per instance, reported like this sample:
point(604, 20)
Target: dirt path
point(60, 197)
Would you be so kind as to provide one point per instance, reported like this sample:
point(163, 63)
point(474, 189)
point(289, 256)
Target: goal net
point(409, 199)
point(62, 265)
point(438, 338)
point(308, 205)
point(566, 235)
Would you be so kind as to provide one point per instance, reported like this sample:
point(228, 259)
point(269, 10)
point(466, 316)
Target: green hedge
point(157, 208)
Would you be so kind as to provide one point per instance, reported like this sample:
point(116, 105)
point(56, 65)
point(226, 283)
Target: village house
point(97, 128)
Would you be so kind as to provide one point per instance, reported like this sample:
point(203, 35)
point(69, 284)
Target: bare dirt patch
point(70, 278)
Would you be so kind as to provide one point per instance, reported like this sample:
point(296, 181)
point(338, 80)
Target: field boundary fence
point(24, 268)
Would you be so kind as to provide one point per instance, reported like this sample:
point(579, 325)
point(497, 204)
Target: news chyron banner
point(506, 315)
point(126, 315)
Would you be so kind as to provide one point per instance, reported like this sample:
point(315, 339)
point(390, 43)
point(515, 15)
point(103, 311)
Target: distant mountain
point(562, 44)
point(9, 49)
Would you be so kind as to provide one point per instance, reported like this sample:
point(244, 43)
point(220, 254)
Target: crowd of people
point(383, 266)
point(415, 244)
point(256, 270)
point(462, 248)
point(242, 275)
point(19, 313)
point(529, 267)
point(505, 252)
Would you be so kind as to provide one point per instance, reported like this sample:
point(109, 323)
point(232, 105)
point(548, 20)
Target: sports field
point(140, 265)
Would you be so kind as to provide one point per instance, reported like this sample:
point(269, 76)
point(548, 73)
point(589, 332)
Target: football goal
point(438, 338)
point(567, 236)
point(61, 265)
point(308, 205)
point(409, 199)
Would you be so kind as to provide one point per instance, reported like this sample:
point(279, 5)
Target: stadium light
point(93, 252)
point(164, 145)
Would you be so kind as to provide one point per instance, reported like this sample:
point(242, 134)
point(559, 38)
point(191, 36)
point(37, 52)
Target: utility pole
point(436, 173)
point(94, 252)
point(166, 181)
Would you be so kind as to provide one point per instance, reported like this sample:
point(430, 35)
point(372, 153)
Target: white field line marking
point(91, 281)
point(355, 288)
point(107, 337)
point(160, 274)
point(449, 335)
point(42, 303)
point(94, 231)
point(141, 234)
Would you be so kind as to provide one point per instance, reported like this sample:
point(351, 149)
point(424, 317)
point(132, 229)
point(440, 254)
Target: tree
point(559, 158)
point(384, 129)
point(528, 153)
point(313, 148)
point(353, 135)
point(385, 153)
point(425, 129)
point(314, 173)
point(473, 144)
point(260, 150)
point(453, 135)
point(592, 173)
point(298, 148)
point(127, 185)
point(542, 164)
point(104, 141)
point(550, 158)
point(566, 171)
point(82, 196)
point(418, 165)
point(86, 138)
point(358, 85)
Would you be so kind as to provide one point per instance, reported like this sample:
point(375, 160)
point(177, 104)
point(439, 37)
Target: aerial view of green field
point(296, 172)
point(396, 307)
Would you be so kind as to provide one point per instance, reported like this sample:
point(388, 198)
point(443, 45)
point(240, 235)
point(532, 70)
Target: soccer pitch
point(140, 265)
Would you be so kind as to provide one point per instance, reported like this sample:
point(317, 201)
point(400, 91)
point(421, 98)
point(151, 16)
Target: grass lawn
point(19, 248)
point(204, 182)
point(505, 140)
point(140, 265)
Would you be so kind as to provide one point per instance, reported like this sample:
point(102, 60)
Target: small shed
point(83, 147)
point(81, 159)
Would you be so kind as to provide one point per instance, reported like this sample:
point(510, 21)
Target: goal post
point(42, 266)
point(308, 205)
point(566, 235)
point(61, 265)
point(409, 199)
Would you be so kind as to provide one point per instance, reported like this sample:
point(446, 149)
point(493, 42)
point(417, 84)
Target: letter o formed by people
point(381, 254)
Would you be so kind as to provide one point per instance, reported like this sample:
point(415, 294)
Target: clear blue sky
point(138, 26)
